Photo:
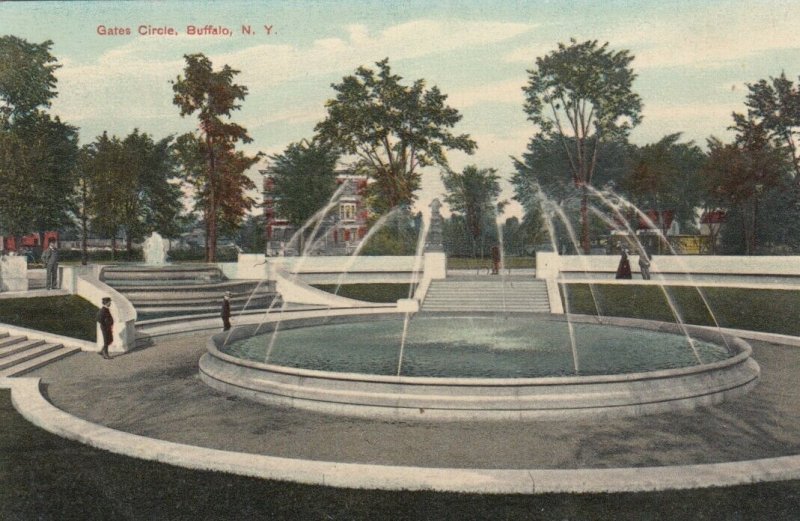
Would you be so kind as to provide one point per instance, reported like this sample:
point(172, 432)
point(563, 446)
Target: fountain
point(477, 365)
point(159, 289)
point(155, 250)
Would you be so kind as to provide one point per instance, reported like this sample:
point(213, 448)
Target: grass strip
point(768, 310)
point(68, 315)
point(379, 293)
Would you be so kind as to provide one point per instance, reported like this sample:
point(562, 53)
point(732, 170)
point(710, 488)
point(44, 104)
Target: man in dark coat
point(106, 322)
point(226, 311)
point(50, 260)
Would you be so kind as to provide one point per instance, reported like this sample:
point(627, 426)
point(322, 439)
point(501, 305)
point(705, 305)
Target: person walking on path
point(644, 264)
point(226, 311)
point(50, 260)
point(624, 268)
point(106, 322)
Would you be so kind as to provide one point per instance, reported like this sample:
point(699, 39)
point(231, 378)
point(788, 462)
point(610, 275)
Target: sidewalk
point(155, 392)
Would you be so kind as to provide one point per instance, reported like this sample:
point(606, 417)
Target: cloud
point(509, 91)
point(696, 121)
point(705, 36)
point(132, 79)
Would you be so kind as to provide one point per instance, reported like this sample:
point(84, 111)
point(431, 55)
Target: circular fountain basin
point(479, 367)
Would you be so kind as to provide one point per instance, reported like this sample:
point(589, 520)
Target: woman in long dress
point(624, 268)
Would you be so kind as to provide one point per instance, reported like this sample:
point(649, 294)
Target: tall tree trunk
point(113, 246)
point(84, 231)
point(585, 220)
point(212, 233)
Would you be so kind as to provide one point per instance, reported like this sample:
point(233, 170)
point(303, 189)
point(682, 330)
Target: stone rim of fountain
point(381, 396)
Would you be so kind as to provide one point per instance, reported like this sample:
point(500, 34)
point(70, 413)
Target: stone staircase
point(18, 354)
point(184, 290)
point(491, 293)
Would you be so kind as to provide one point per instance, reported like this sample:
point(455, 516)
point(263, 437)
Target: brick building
point(340, 232)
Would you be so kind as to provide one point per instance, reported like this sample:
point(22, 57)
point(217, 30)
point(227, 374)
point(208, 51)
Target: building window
point(347, 211)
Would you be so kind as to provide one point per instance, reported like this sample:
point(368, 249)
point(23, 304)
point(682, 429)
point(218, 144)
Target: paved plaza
point(156, 392)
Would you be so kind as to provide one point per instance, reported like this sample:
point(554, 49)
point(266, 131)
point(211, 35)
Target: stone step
point(10, 340)
point(515, 309)
point(21, 344)
point(185, 285)
point(39, 361)
point(492, 293)
point(180, 294)
point(200, 304)
point(39, 348)
point(165, 311)
point(486, 301)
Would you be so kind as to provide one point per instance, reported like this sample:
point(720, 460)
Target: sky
point(693, 60)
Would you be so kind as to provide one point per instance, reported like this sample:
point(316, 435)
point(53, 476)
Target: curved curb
point(32, 405)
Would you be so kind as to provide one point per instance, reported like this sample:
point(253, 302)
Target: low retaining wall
point(777, 269)
point(85, 282)
point(13, 273)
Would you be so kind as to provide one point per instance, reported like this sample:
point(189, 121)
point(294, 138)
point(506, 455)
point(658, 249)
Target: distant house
point(31, 241)
point(341, 230)
point(711, 223)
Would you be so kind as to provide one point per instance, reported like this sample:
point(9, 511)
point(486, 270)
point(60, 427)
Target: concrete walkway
point(155, 392)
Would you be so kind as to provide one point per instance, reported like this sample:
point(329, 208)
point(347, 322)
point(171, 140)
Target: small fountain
point(159, 289)
point(155, 250)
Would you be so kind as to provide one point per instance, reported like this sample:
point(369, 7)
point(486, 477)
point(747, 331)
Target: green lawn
point(69, 315)
point(774, 311)
point(369, 292)
point(45, 477)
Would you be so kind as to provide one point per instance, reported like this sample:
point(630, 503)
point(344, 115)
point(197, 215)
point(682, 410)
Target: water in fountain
point(354, 256)
point(670, 301)
point(546, 205)
point(664, 239)
point(315, 220)
point(155, 250)
point(418, 256)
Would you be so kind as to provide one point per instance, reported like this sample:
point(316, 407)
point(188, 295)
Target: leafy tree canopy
point(582, 95)
point(393, 130)
point(27, 79)
point(304, 179)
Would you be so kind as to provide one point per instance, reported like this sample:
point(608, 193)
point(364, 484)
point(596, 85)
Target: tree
point(104, 179)
point(393, 131)
point(581, 95)
point(27, 79)
point(739, 175)
point(775, 105)
point(398, 235)
point(37, 152)
point(127, 185)
point(665, 176)
point(211, 162)
point(304, 180)
point(251, 236)
point(540, 175)
point(473, 193)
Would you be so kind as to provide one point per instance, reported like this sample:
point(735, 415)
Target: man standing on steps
point(106, 322)
point(226, 311)
point(50, 260)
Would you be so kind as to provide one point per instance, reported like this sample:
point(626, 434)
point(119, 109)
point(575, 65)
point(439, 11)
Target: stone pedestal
point(13, 273)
